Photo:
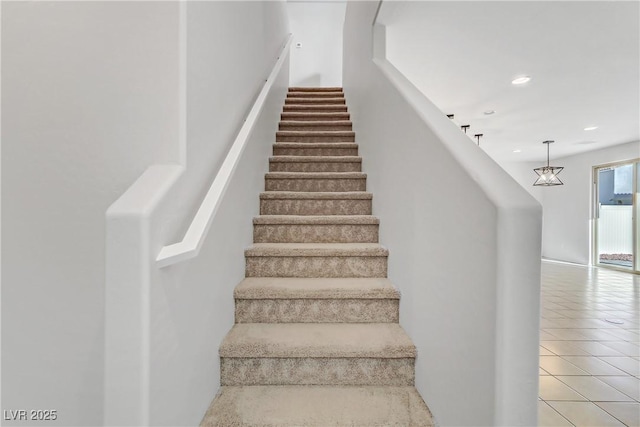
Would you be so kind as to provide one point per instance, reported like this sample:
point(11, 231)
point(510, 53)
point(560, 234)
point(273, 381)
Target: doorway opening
point(616, 241)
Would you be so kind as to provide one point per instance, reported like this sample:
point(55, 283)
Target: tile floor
point(589, 347)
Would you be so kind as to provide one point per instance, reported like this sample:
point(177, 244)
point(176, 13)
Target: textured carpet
point(317, 340)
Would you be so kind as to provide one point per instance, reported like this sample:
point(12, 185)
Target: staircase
point(316, 340)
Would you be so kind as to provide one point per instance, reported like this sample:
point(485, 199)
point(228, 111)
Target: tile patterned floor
point(589, 347)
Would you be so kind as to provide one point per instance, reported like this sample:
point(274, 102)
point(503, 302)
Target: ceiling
point(583, 58)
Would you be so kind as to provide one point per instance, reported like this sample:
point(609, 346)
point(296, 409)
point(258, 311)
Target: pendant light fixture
point(548, 175)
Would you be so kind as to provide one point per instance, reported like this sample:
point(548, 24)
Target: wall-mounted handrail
point(190, 245)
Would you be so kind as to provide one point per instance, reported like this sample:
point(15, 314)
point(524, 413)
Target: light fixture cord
point(548, 154)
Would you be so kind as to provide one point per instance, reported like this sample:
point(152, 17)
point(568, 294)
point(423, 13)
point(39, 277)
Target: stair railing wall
point(465, 239)
point(156, 306)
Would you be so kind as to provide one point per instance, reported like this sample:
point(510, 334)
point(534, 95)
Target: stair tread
point(313, 98)
point(315, 195)
point(296, 115)
point(288, 107)
point(315, 288)
point(316, 88)
point(315, 133)
point(314, 107)
point(327, 340)
point(315, 145)
point(316, 249)
point(296, 108)
point(315, 175)
point(316, 219)
point(316, 123)
point(313, 159)
point(302, 94)
point(305, 406)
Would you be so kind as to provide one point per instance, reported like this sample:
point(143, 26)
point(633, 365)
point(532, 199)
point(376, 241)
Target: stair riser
point(304, 94)
point(315, 166)
point(319, 101)
point(309, 117)
point(309, 151)
point(315, 138)
point(315, 185)
point(311, 127)
point(315, 207)
point(317, 311)
point(316, 266)
point(309, 108)
point(317, 371)
point(316, 233)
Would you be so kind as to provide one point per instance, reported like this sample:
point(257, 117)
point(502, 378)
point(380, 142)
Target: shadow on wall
point(313, 80)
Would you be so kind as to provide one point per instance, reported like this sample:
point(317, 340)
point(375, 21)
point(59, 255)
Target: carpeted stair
point(316, 340)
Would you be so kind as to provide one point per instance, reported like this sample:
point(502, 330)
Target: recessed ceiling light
point(591, 128)
point(489, 112)
point(520, 80)
point(517, 151)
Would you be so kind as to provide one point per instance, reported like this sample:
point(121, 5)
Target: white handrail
point(192, 241)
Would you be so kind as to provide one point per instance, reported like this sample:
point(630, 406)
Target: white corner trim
point(127, 284)
point(190, 245)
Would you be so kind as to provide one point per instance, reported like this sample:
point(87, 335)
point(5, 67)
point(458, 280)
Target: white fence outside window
point(615, 229)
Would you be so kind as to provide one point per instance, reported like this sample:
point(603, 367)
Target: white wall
point(568, 208)
point(317, 26)
point(226, 69)
point(191, 304)
point(90, 98)
point(464, 243)
point(523, 173)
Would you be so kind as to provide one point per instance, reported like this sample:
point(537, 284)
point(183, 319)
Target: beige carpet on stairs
point(317, 340)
